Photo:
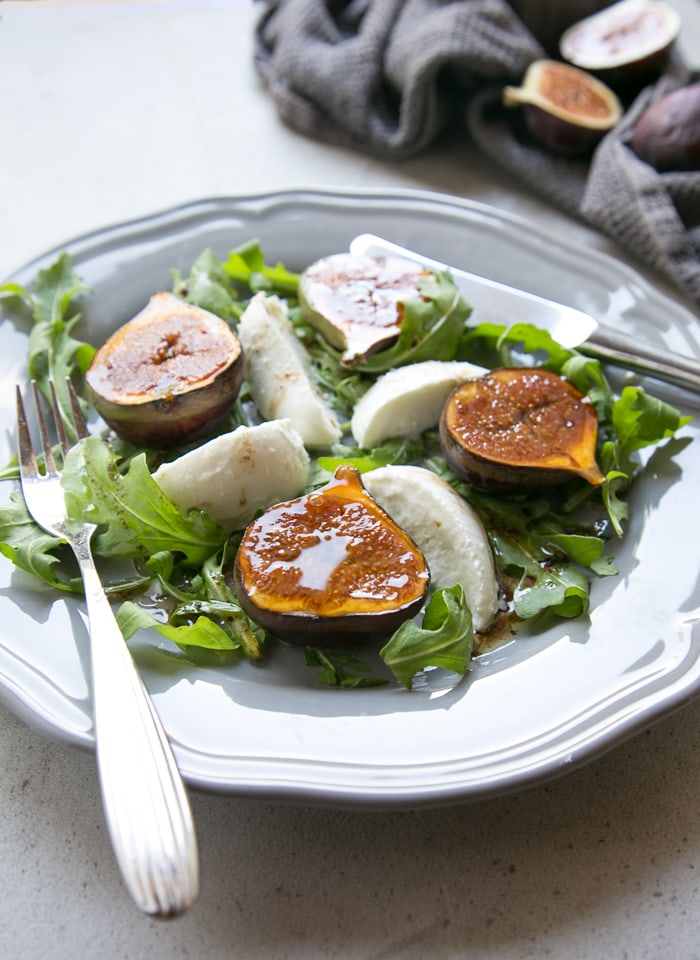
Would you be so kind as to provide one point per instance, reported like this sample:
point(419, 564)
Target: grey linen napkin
point(386, 77)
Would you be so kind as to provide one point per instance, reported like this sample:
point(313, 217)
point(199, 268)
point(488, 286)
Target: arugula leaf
point(54, 354)
point(224, 603)
point(208, 286)
point(246, 264)
point(586, 550)
point(398, 450)
point(640, 420)
point(444, 639)
point(560, 588)
point(341, 670)
point(31, 549)
point(213, 284)
point(203, 632)
point(207, 595)
point(138, 519)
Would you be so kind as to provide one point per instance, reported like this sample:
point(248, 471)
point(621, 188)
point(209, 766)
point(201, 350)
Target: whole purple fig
point(667, 135)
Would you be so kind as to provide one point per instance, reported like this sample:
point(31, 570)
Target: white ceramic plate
point(529, 710)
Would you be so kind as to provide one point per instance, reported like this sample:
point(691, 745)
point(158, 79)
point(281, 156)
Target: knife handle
point(619, 350)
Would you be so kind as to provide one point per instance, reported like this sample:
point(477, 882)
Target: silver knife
point(492, 301)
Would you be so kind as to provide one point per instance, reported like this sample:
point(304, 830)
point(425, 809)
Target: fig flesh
point(329, 568)
point(667, 135)
point(168, 375)
point(627, 45)
point(356, 302)
point(566, 109)
point(519, 428)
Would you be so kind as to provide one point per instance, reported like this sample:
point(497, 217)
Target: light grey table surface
point(111, 111)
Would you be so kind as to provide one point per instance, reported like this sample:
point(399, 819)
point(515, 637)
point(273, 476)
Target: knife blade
point(493, 301)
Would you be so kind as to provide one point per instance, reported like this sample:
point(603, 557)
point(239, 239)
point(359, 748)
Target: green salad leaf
point(202, 632)
point(31, 549)
point(208, 286)
point(53, 352)
point(246, 265)
point(444, 639)
point(341, 669)
point(215, 284)
point(135, 516)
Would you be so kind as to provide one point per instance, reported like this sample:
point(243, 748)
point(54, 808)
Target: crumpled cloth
point(387, 77)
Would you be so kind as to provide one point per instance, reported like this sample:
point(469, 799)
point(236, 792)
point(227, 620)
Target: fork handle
point(145, 801)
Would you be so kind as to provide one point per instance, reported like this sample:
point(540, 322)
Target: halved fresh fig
point(168, 375)
point(566, 109)
point(667, 135)
point(518, 428)
point(356, 302)
point(329, 568)
point(627, 45)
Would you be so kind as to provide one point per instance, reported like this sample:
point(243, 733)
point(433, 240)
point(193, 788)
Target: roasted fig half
point(520, 427)
point(627, 45)
point(667, 135)
point(566, 110)
point(168, 375)
point(356, 302)
point(330, 568)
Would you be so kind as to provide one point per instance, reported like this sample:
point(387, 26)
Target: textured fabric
point(384, 75)
point(387, 76)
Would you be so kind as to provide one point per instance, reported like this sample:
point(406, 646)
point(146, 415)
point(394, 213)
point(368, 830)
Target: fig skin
point(168, 375)
point(626, 45)
point(330, 568)
point(667, 135)
point(519, 428)
point(566, 109)
point(355, 302)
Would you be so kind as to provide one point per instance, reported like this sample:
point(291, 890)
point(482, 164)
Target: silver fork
point(145, 801)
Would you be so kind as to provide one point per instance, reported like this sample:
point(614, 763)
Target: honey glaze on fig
point(356, 303)
point(330, 567)
point(520, 427)
point(169, 374)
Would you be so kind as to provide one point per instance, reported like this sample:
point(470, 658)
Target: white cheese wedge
point(408, 400)
point(238, 473)
point(280, 377)
point(445, 529)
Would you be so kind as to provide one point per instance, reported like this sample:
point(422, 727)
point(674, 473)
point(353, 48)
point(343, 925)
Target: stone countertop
point(112, 111)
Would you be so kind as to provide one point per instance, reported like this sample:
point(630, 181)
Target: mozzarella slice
point(445, 528)
point(235, 475)
point(279, 374)
point(408, 400)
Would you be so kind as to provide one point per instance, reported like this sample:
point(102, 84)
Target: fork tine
point(63, 438)
point(27, 460)
point(49, 462)
point(78, 418)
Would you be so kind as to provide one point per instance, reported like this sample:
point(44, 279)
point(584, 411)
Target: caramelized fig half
point(356, 302)
point(168, 375)
point(518, 428)
point(566, 109)
point(627, 44)
point(329, 568)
